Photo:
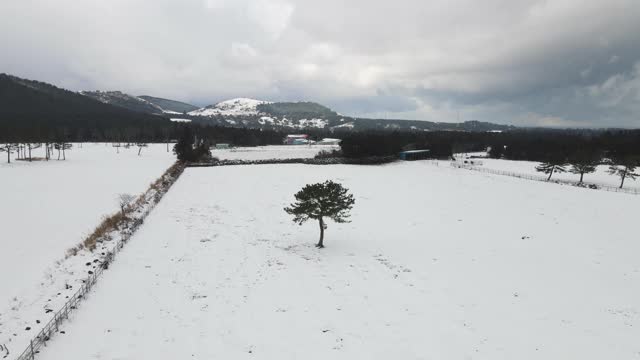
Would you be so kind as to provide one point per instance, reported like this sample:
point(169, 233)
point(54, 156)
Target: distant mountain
point(123, 100)
point(36, 106)
point(32, 108)
point(297, 110)
point(288, 116)
point(169, 106)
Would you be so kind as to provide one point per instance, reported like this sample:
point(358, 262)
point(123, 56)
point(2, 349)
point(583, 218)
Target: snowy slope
point(49, 207)
point(123, 100)
point(169, 106)
point(233, 107)
point(438, 263)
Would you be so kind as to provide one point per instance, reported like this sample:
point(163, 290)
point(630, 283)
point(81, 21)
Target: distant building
point(415, 155)
point(296, 139)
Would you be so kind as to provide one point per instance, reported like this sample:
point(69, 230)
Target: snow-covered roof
point(415, 151)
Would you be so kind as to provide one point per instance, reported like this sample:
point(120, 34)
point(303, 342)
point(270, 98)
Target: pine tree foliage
point(551, 167)
point(584, 162)
point(624, 167)
point(322, 200)
point(189, 148)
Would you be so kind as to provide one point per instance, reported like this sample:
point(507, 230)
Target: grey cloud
point(572, 62)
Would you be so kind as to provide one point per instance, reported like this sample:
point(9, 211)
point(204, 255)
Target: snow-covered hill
point(251, 113)
point(286, 116)
point(144, 104)
point(233, 107)
point(126, 101)
point(169, 106)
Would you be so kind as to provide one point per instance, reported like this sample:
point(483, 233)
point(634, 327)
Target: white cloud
point(272, 15)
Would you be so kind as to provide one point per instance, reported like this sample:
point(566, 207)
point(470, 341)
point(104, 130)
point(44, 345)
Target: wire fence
point(53, 326)
point(544, 179)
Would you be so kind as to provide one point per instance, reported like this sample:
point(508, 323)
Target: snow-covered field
point(529, 167)
point(272, 152)
point(49, 207)
point(438, 263)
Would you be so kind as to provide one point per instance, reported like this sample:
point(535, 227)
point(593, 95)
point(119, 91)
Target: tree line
point(578, 152)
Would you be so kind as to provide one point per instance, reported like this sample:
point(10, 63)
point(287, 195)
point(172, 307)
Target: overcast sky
point(552, 63)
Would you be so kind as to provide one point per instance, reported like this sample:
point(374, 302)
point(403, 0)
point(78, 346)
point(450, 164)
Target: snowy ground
point(272, 152)
point(529, 167)
point(49, 207)
point(438, 263)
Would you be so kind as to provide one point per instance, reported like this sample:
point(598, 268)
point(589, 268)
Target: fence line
point(544, 179)
point(53, 325)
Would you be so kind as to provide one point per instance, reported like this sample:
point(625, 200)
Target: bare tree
point(62, 146)
point(31, 146)
point(20, 151)
point(9, 148)
point(167, 133)
point(125, 200)
point(141, 145)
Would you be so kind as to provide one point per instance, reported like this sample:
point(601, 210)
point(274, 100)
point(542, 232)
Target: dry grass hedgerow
point(120, 219)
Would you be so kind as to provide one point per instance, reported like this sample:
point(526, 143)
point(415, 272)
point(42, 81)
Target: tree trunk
point(8, 156)
point(29, 152)
point(64, 155)
point(581, 177)
point(139, 150)
point(320, 243)
point(551, 173)
point(624, 175)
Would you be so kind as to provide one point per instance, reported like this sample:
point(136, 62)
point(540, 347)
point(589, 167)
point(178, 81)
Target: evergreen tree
point(551, 166)
point(624, 167)
point(183, 149)
point(584, 162)
point(317, 201)
point(496, 151)
point(188, 148)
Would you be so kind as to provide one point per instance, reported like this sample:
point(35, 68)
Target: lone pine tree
point(322, 200)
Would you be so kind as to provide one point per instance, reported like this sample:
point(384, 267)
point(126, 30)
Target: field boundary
point(375, 160)
point(147, 202)
point(541, 178)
